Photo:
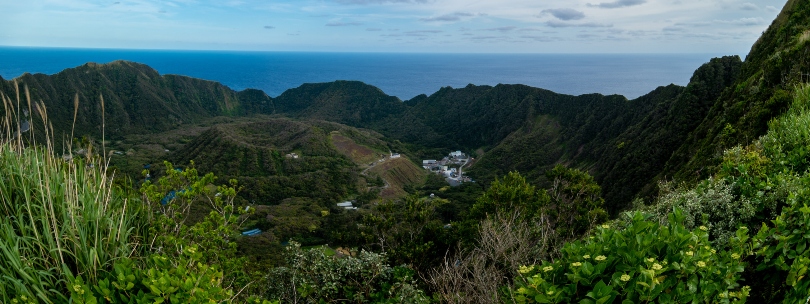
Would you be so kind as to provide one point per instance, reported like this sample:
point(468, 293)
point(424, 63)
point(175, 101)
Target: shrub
point(312, 277)
point(782, 249)
point(711, 204)
point(643, 262)
point(175, 279)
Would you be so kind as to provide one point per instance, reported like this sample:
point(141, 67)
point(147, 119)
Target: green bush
point(711, 204)
point(314, 277)
point(176, 279)
point(643, 262)
point(783, 250)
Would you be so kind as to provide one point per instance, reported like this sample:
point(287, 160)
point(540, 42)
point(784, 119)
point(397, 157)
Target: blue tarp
point(169, 197)
point(252, 232)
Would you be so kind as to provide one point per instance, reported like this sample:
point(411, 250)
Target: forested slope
point(778, 61)
point(259, 155)
point(136, 98)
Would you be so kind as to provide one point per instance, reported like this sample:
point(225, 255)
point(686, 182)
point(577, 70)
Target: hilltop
point(136, 99)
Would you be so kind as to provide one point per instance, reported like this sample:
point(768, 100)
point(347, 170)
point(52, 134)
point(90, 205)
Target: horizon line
point(352, 52)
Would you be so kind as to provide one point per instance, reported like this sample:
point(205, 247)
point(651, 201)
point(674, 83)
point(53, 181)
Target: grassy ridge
point(398, 173)
point(61, 220)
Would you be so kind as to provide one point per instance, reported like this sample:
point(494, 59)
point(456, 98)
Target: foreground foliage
point(643, 262)
point(365, 277)
point(60, 220)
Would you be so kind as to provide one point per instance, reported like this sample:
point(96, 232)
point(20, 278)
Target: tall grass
point(59, 218)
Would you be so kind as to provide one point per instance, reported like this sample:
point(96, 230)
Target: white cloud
point(501, 29)
point(748, 6)
point(343, 24)
point(366, 2)
point(565, 13)
point(447, 17)
point(618, 3)
point(559, 24)
point(216, 24)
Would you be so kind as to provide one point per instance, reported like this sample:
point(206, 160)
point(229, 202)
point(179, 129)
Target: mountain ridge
point(627, 145)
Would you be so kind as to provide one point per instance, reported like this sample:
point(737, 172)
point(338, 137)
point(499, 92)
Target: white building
point(456, 154)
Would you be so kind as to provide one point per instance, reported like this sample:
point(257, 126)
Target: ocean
point(403, 75)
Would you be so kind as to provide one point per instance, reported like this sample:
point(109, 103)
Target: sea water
point(404, 75)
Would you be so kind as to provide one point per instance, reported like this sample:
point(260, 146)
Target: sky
point(425, 26)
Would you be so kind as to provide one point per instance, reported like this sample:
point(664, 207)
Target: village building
point(450, 167)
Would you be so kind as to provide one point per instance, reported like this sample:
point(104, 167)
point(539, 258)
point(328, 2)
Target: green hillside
point(776, 64)
point(260, 155)
point(136, 99)
point(530, 129)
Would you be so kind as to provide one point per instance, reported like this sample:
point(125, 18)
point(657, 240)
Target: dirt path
point(374, 164)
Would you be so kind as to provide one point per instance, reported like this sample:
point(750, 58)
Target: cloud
point(343, 24)
point(565, 13)
point(741, 21)
point(748, 6)
point(367, 2)
point(672, 29)
point(501, 29)
point(447, 18)
point(748, 21)
point(269, 27)
point(541, 38)
point(618, 3)
point(423, 32)
point(696, 24)
point(486, 37)
point(588, 36)
point(558, 24)
point(771, 8)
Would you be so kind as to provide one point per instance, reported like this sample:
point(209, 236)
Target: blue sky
point(503, 26)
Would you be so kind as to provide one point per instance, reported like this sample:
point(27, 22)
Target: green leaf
point(693, 283)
